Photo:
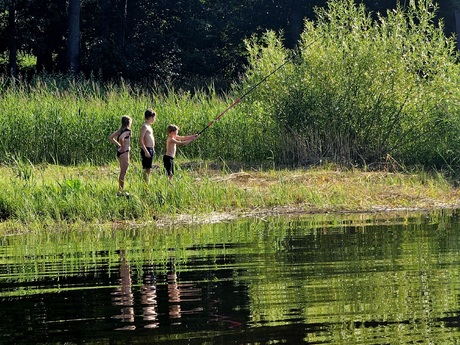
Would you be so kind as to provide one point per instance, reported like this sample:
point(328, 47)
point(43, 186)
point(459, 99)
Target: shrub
point(365, 89)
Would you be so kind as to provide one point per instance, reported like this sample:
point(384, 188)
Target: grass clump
point(88, 194)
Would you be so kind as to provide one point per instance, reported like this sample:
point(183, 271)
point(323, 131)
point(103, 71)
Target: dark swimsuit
point(147, 161)
point(168, 162)
point(118, 139)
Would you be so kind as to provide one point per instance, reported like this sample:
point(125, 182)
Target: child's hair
point(125, 121)
point(172, 128)
point(149, 113)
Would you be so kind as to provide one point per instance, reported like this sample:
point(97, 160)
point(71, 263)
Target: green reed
point(59, 121)
point(49, 194)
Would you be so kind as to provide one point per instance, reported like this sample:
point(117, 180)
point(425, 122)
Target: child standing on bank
point(147, 142)
point(122, 138)
point(171, 145)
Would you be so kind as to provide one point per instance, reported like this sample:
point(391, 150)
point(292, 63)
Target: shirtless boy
point(147, 142)
point(171, 145)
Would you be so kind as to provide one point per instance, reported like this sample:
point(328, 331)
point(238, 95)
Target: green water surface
point(323, 279)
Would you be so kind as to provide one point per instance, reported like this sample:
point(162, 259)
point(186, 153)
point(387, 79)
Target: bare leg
point(124, 163)
point(146, 175)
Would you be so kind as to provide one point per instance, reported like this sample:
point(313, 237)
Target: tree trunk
point(12, 63)
point(457, 26)
point(73, 40)
point(296, 13)
point(123, 13)
point(105, 20)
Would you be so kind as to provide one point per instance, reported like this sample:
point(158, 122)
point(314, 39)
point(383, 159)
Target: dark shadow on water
point(287, 281)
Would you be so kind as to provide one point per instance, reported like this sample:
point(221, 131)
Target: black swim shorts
point(147, 161)
point(168, 162)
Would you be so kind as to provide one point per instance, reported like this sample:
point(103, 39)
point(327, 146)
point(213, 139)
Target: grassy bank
point(36, 196)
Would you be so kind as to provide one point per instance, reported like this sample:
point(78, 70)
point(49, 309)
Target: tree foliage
point(186, 42)
point(366, 89)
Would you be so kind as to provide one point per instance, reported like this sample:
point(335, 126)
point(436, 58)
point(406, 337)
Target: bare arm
point(186, 137)
point(113, 140)
point(171, 144)
point(184, 140)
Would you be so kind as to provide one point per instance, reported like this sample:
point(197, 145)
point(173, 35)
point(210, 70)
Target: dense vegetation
point(364, 92)
point(155, 42)
point(359, 91)
point(356, 92)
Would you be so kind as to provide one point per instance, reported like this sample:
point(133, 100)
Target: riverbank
point(37, 196)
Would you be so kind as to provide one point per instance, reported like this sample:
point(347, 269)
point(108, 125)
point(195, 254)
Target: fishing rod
point(238, 100)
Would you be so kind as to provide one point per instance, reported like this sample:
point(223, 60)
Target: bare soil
point(378, 192)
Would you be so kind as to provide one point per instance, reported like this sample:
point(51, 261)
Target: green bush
point(363, 89)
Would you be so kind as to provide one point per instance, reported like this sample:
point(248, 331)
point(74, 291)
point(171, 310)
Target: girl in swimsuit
point(122, 138)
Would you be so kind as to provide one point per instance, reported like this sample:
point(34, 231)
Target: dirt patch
point(306, 192)
point(289, 211)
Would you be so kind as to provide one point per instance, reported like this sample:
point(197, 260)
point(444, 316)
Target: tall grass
point(50, 194)
point(364, 92)
point(60, 121)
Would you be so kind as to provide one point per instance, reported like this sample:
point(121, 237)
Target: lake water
point(323, 279)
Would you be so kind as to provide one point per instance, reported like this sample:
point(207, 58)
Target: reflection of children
point(147, 142)
point(121, 138)
point(126, 296)
point(149, 300)
point(171, 145)
point(123, 296)
point(174, 297)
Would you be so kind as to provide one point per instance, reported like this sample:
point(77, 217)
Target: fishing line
point(238, 100)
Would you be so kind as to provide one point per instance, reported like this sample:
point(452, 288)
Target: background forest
point(188, 42)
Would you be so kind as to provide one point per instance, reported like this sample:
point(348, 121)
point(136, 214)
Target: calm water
point(356, 279)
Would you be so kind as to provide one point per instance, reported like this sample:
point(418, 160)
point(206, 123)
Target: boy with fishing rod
point(173, 140)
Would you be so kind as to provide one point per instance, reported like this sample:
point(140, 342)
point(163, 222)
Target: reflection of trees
point(354, 283)
point(358, 282)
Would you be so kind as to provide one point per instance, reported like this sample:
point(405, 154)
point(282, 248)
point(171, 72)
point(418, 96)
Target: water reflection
point(180, 293)
point(287, 281)
point(176, 294)
point(173, 293)
point(149, 298)
point(123, 295)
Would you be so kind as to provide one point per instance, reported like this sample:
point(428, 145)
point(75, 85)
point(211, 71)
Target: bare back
point(124, 140)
